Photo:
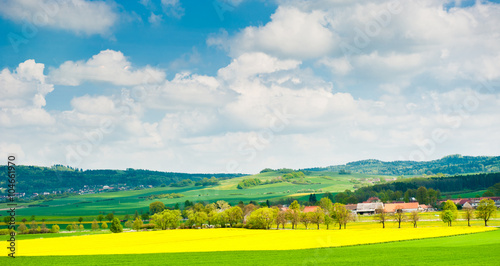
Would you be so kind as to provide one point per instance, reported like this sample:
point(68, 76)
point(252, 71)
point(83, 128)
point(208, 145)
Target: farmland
point(454, 250)
point(127, 202)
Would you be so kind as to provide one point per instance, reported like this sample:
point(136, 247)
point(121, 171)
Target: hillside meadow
point(127, 202)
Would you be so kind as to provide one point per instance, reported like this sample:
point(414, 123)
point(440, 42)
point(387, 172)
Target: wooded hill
point(31, 179)
point(451, 165)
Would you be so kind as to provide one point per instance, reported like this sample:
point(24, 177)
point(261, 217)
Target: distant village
point(83, 191)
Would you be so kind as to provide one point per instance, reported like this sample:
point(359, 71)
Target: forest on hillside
point(36, 179)
point(450, 165)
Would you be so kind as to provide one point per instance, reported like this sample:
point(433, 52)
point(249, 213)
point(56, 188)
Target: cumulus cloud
point(291, 33)
point(107, 66)
point(23, 95)
point(79, 16)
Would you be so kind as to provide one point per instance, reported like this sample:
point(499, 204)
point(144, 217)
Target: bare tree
point(381, 216)
point(468, 214)
point(414, 217)
point(399, 217)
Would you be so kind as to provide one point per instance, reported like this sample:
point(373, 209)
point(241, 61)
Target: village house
point(405, 207)
point(368, 208)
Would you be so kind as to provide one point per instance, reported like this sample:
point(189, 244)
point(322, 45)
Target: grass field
point(471, 249)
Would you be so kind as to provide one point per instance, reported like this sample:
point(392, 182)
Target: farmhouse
point(368, 208)
point(406, 207)
point(310, 209)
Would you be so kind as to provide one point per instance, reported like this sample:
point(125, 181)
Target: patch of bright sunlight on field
point(193, 240)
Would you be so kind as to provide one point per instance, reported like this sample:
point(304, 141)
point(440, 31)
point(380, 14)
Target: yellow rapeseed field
point(224, 240)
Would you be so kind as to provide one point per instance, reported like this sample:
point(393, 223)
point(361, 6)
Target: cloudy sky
point(241, 85)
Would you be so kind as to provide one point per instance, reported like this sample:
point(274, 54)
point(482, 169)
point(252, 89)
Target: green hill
point(451, 165)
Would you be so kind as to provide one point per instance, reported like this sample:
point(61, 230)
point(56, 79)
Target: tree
point(104, 225)
point(100, 217)
point(127, 217)
point(129, 223)
point(485, 209)
point(197, 218)
point(399, 217)
point(340, 214)
point(223, 205)
point(69, 227)
point(488, 193)
point(6, 219)
point(32, 218)
point(262, 218)
point(116, 226)
point(381, 216)
point(80, 227)
point(326, 204)
point(167, 219)
point(327, 220)
point(145, 216)
point(95, 225)
point(74, 226)
point(137, 224)
point(305, 219)
point(136, 215)
point(468, 214)
point(24, 220)
point(449, 212)
point(317, 217)
point(249, 209)
point(80, 220)
point(55, 228)
point(422, 195)
point(22, 228)
point(414, 217)
point(234, 215)
point(156, 207)
point(293, 215)
point(280, 218)
point(110, 216)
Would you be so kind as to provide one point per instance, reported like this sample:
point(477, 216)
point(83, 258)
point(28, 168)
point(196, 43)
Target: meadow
point(470, 249)
point(121, 203)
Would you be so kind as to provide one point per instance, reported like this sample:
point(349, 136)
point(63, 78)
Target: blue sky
point(241, 85)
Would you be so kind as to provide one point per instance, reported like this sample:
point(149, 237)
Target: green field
point(127, 202)
point(472, 249)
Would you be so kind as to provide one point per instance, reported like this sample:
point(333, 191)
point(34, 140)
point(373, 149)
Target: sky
point(236, 86)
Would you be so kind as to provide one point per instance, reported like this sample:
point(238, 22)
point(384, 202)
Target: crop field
point(453, 250)
point(127, 202)
point(227, 240)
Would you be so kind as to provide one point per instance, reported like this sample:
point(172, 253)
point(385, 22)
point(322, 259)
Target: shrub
point(21, 228)
point(148, 226)
point(104, 225)
point(129, 224)
point(69, 227)
point(116, 226)
point(55, 228)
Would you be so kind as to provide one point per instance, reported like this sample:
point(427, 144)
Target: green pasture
point(472, 249)
point(127, 202)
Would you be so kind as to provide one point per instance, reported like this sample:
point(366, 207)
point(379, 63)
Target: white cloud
point(23, 95)
point(172, 8)
point(107, 66)
point(291, 33)
point(155, 19)
point(79, 16)
point(250, 64)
